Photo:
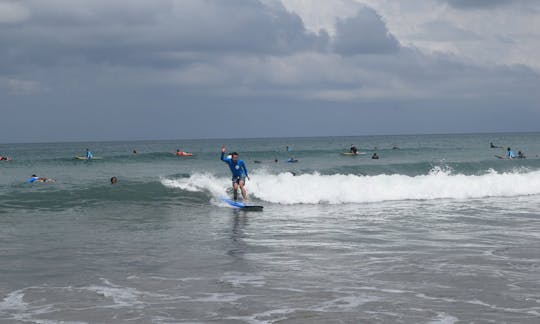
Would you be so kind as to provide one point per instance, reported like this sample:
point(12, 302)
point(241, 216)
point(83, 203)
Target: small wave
point(315, 188)
point(54, 198)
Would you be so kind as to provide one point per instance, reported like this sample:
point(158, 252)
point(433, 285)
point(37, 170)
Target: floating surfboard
point(239, 205)
point(85, 158)
point(349, 153)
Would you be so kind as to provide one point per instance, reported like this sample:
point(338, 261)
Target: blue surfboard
point(239, 205)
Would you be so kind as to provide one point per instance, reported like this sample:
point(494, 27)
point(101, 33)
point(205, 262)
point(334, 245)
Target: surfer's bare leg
point(235, 191)
point(243, 189)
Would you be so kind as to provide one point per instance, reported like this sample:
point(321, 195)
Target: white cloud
point(20, 87)
point(446, 26)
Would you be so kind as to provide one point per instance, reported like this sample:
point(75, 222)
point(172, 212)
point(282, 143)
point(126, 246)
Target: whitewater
point(314, 188)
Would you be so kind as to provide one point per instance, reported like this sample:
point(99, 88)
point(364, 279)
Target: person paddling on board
point(239, 173)
point(35, 178)
point(89, 154)
point(511, 153)
point(353, 149)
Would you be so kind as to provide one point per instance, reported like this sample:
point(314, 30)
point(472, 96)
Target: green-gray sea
point(438, 230)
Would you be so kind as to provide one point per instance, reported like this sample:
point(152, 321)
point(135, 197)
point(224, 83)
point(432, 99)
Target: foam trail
point(216, 187)
point(315, 188)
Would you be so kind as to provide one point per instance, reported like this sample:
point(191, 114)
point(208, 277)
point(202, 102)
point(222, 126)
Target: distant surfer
point(292, 160)
point(180, 153)
point(35, 178)
point(511, 153)
point(89, 154)
point(353, 149)
point(239, 173)
point(114, 180)
point(521, 155)
point(4, 158)
point(134, 151)
point(491, 145)
point(375, 156)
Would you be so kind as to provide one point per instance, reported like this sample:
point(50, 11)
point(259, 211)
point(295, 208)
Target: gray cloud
point(133, 32)
point(364, 33)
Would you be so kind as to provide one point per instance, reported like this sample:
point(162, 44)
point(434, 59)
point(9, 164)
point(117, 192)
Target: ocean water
point(437, 231)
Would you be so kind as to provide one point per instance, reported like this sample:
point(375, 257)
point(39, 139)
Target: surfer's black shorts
point(238, 179)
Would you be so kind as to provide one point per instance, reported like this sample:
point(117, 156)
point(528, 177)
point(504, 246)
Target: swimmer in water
point(114, 180)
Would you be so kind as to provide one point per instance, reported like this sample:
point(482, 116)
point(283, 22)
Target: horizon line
point(268, 137)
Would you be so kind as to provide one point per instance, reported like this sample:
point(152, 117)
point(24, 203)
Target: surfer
point(511, 153)
point(114, 180)
point(521, 155)
point(353, 149)
point(239, 173)
point(89, 154)
point(491, 145)
point(375, 156)
point(35, 178)
point(181, 153)
point(4, 158)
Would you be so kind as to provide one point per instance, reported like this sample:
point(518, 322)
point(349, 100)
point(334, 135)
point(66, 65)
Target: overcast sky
point(170, 69)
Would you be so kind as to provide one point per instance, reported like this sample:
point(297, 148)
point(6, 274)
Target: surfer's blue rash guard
point(238, 169)
point(88, 154)
point(32, 179)
point(511, 154)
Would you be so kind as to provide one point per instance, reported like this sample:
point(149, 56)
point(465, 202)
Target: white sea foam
point(199, 182)
point(443, 318)
point(121, 296)
point(315, 188)
point(13, 301)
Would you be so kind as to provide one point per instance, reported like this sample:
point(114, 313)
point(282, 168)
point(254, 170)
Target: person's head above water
point(114, 180)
